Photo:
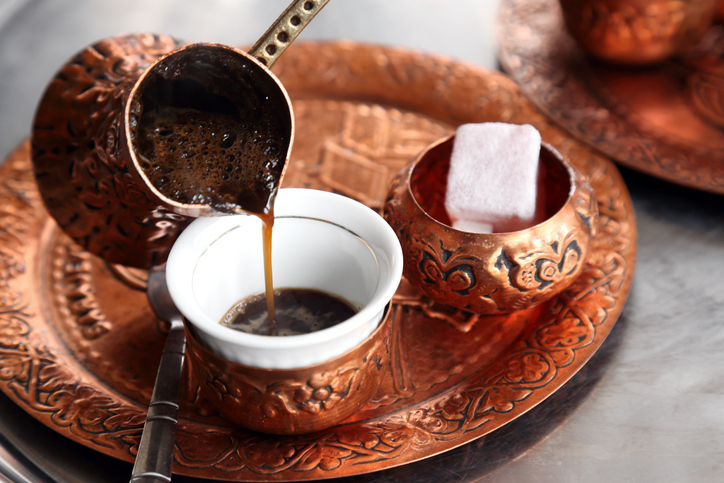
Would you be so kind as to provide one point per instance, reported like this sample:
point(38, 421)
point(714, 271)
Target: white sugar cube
point(473, 226)
point(493, 177)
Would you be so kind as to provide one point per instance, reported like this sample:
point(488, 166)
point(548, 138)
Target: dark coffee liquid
point(211, 158)
point(213, 135)
point(298, 311)
point(211, 128)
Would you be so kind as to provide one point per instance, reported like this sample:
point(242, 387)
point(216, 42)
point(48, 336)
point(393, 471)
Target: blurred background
point(38, 36)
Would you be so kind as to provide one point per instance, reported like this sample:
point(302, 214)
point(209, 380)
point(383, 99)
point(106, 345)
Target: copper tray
point(79, 345)
point(643, 118)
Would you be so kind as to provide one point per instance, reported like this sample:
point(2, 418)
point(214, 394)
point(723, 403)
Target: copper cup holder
point(293, 401)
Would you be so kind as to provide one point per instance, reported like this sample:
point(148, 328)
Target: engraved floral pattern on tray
point(373, 107)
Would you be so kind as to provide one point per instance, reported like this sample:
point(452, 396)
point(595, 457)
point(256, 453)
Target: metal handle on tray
point(155, 451)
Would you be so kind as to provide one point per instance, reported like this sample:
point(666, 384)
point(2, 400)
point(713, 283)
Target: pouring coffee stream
point(213, 136)
point(209, 138)
point(242, 135)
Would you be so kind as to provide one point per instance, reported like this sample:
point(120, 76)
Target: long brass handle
point(286, 28)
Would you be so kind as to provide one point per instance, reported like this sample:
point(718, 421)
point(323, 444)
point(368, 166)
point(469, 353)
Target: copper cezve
point(85, 151)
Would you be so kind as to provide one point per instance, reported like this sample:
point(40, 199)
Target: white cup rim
point(349, 214)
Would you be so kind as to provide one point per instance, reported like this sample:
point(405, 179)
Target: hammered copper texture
point(84, 141)
point(489, 273)
point(83, 176)
point(293, 401)
point(643, 118)
point(76, 343)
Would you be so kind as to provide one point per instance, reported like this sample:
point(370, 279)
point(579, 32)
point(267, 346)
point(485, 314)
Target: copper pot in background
point(638, 31)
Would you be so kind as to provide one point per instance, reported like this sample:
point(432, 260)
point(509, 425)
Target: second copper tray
point(644, 118)
point(79, 346)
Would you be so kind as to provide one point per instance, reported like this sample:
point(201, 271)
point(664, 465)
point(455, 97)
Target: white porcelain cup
point(320, 241)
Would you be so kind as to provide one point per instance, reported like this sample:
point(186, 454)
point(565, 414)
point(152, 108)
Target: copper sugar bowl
point(293, 401)
point(637, 31)
point(489, 273)
point(83, 149)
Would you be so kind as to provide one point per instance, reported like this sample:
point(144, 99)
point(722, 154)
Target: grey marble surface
point(649, 407)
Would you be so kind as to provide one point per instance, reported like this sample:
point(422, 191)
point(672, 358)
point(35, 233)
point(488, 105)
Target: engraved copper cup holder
point(495, 272)
point(293, 401)
point(83, 147)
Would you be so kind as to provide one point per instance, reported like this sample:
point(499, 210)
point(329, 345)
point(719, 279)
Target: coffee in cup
point(298, 311)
